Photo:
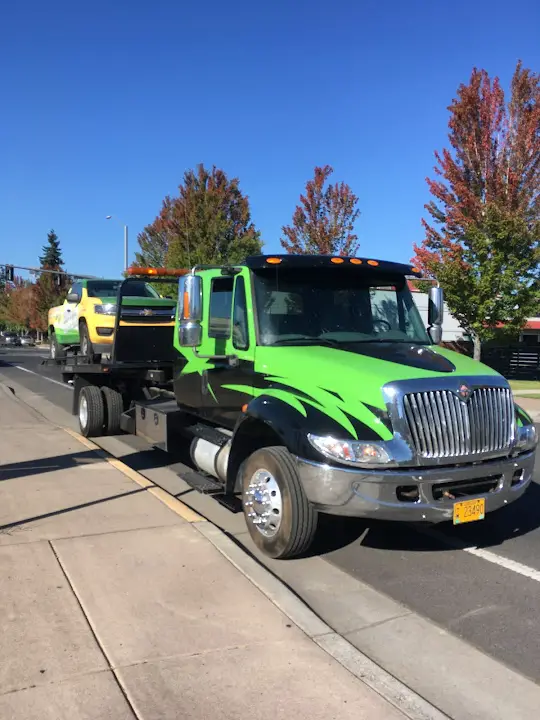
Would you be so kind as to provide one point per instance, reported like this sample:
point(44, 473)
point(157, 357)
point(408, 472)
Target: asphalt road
point(480, 582)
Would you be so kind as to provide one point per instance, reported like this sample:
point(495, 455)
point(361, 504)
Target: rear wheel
point(114, 407)
point(56, 351)
point(280, 519)
point(91, 411)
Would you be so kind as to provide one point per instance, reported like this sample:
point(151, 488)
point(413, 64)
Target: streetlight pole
point(112, 217)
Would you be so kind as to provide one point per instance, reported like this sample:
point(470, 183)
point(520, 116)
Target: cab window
point(76, 289)
point(240, 321)
point(219, 323)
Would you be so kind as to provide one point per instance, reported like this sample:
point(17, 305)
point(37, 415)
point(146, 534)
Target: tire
point(86, 347)
point(271, 473)
point(114, 407)
point(56, 351)
point(91, 411)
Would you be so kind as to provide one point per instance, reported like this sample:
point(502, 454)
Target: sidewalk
point(114, 606)
point(531, 405)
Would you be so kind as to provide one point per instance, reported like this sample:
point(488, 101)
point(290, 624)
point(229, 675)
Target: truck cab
point(330, 395)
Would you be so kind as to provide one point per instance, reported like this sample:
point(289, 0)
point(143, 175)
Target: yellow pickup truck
point(88, 315)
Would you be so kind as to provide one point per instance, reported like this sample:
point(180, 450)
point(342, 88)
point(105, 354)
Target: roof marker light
point(273, 260)
point(372, 262)
point(167, 272)
point(356, 261)
point(337, 261)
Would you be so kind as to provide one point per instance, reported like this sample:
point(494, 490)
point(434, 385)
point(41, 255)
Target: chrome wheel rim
point(263, 503)
point(83, 411)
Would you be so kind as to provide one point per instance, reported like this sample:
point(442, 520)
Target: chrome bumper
point(373, 493)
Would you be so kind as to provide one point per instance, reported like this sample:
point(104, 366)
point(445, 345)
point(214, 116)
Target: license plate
point(469, 511)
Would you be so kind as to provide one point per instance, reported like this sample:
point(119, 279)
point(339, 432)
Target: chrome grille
point(147, 315)
point(442, 425)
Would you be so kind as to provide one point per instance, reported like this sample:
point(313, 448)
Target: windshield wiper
point(306, 340)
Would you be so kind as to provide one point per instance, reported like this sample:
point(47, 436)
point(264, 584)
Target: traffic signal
point(10, 273)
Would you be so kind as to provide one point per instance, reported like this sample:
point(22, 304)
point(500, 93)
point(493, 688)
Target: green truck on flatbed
point(308, 384)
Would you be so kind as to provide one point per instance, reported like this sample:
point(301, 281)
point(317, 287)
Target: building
point(452, 330)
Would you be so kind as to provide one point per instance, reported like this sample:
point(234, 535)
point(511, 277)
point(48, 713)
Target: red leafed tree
point(324, 221)
point(209, 222)
point(482, 242)
point(21, 304)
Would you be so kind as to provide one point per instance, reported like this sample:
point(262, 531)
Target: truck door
point(226, 387)
point(67, 330)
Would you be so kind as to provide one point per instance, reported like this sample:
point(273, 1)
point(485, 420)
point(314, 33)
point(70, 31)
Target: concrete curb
point(387, 686)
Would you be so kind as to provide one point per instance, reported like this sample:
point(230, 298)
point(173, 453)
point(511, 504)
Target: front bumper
point(374, 493)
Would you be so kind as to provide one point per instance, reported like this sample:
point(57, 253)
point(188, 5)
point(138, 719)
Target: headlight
point(527, 437)
point(108, 309)
point(350, 451)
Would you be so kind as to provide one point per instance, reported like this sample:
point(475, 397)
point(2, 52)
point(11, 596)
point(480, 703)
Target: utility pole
point(113, 217)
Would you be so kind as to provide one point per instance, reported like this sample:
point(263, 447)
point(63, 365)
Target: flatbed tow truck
point(308, 384)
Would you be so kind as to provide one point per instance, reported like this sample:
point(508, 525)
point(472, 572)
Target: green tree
point(483, 241)
point(209, 222)
point(52, 255)
point(49, 290)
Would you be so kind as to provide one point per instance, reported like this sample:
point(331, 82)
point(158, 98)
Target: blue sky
point(106, 104)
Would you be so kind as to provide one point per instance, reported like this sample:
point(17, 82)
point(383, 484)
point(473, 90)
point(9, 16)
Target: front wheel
point(280, 519)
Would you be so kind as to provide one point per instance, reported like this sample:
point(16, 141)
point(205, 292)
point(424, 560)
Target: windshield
point(335, 307)
point(109, 288)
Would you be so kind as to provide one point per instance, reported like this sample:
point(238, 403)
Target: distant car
point(27, 340)
point(11, 338)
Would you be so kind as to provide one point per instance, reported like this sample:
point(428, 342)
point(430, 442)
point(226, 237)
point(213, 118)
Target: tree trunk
point(477, 343)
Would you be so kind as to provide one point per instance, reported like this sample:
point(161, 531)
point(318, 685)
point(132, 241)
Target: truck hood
point(136, 301)
point(345, 383)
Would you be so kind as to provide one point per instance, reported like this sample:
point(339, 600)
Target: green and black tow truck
point(309, 384)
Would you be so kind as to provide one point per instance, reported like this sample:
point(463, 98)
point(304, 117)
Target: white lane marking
point(506, 563)
point(487, 555)
point(44, 377)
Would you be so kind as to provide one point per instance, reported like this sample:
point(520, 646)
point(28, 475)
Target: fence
point(515, 362)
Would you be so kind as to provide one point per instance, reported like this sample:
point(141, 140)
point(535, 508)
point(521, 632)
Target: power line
point(9, 271)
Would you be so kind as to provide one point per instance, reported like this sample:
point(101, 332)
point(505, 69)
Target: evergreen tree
point(52, 255)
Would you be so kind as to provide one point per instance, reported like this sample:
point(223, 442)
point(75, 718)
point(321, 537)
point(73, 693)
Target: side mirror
point(190, 302)
point(435, 314)
point(73, 298)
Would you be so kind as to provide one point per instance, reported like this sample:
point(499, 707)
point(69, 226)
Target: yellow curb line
point(185, 512)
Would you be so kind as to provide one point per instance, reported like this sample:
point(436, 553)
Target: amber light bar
point(168, 272)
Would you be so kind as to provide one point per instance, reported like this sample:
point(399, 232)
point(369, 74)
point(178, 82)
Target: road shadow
point(520, 518)
point(8, 527)
point(12, 471)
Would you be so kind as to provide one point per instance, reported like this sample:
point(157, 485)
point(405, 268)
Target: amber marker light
point(374, 263)
point(273, 261)
point(337, 261)
point(356, 261)
point(166, 272)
